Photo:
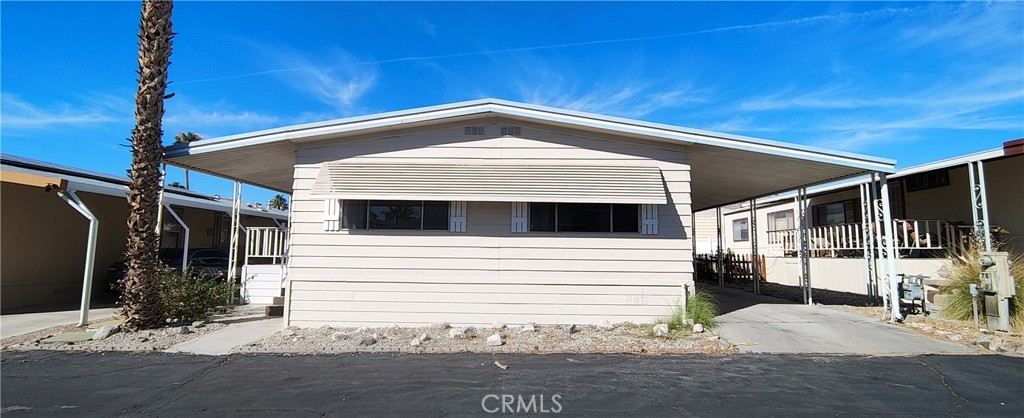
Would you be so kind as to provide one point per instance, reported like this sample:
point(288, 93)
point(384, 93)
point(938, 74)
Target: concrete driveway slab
point(763, 324)
point(23, 323)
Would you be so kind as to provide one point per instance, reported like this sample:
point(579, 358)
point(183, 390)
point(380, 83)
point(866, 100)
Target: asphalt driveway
point(175, 385)
point(769, 325)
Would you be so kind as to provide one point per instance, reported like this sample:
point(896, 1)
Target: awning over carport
point(491, 183)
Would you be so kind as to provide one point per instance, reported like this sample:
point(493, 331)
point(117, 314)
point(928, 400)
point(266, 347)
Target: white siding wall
point(487, 273)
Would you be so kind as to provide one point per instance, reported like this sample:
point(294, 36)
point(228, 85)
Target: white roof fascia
point(101, 187)
point(598, 122)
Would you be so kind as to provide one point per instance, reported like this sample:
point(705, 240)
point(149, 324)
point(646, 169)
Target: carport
point(723, 168)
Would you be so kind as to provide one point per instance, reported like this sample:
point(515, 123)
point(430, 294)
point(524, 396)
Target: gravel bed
point(438, 338)
point(149, 340)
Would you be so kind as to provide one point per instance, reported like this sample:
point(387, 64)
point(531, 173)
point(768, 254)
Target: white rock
point(494, 340)
point(498, 325)
point(440, 325)
point(424, 337)
point(104, 332)
point(198, 324)
point(362, 329)
point(339, 336)
point(416, 342)
point(367, 341)
point(661, 330)
point(457, 333)
point(606, 325)
point(529, 327)
point(698, 328)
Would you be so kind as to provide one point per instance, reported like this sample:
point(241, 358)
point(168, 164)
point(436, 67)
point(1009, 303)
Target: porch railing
point(266, 245)
point(834, 240)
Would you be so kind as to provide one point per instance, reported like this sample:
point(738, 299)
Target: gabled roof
point(111, 185)
point(265, 158)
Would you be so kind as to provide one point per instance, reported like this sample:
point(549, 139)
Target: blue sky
point(913, 81)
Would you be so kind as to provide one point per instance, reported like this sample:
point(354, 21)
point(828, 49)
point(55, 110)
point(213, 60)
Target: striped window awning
point(491, 183)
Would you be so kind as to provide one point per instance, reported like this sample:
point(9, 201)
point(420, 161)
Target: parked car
point(208, 262)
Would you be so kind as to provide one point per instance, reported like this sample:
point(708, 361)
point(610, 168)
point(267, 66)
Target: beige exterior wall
point(487, 273)
point(844, 274)
point(43, 242)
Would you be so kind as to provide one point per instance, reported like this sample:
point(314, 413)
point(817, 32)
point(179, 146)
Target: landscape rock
point(714, 338)
point(606, 325)
point(440, 325)
point(498, 325)
point(457, 333)
point(529, 327)
point(661, 330)
point(366, 341)
point(339, 336)
point(471, 332)
point(198, 324)
point(494, 340)
point(698, 328)
point(326, 329)
point(416, 342)
point(182, 330)
point(997, 344)
point(567, 332)
point(104, 332)
point(424, 337)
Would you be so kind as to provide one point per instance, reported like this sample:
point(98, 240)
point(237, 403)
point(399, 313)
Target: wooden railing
point(266, 244)
point(833, 240)
point(737, 267)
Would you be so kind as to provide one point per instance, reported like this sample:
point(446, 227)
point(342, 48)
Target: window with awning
point(491, 183)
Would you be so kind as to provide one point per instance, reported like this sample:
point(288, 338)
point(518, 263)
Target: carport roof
point(725, 168)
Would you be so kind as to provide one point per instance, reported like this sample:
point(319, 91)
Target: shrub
point(701, 307)
point(186, 298)
point(966, 270)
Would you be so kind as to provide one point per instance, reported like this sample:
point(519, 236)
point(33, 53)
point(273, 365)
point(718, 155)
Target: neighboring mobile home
point(491, 210)
point(933, 205)
point(44, 239)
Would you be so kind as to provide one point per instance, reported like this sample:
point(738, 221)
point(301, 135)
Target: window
point(927, 180)
point(510, 131)
point(395, 214)
point(474, 130)
point(781, 220)
point(838, 213)
point(740, 230)
point(222, 230)
point(584, 217)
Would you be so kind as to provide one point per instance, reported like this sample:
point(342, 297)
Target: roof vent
point(510, 131)
point(474, 130)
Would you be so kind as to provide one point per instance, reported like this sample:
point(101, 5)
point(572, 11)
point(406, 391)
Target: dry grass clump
point(966, 270)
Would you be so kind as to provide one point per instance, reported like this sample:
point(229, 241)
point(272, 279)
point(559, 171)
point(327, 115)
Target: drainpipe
point(90, 251)
point(184, 256)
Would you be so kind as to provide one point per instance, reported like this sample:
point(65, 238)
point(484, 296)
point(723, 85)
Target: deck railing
point(835, 240)
point(266, 244)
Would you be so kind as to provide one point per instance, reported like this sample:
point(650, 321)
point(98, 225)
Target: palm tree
point(141, 296)
point(186, 138)
point(278, 202)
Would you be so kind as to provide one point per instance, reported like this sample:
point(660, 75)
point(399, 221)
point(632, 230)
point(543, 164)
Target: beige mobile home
point(491, 210)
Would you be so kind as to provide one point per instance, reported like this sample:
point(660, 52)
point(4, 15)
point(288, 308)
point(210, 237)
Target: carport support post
point(868, 235)
point(804, 253)
point(719, 257)
point(755, 262)
point(184, 255)
point(890, 248)
point(90, 252)
point(979, 204)
point(236, 207)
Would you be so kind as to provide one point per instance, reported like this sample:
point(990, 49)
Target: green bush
point(966, 270)
point(186, 298)
point(701, 307)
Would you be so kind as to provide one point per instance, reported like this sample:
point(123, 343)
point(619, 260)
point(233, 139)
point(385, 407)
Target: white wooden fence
point(833, 240)
point(266, 244)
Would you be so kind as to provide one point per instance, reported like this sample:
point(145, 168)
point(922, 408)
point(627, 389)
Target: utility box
point(997, 287)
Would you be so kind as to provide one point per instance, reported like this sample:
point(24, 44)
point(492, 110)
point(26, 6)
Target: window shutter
point(649, 219)
point(457, 217)
point(332, 214)
point(519, 217)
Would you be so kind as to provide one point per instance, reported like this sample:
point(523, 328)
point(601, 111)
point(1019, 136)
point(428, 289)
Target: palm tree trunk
point(186, 180)
point(141, 296)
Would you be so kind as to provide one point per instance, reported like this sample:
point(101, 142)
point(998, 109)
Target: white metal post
point(160, 208)
point(890, 248)
point(755, 263)
point(90, 252)
point(236, 206)
point(979, 203)
point(804, 253)
point(720, 256)
point(868, 235)
point(184, 254)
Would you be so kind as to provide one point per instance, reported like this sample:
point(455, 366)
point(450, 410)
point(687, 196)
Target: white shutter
point(332, 214)
point(649, 219)
point(519, 217)
point(457, 217)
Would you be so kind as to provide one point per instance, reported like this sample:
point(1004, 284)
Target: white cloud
point(335, 79)
point(18, 113)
